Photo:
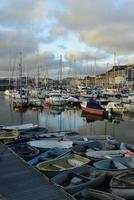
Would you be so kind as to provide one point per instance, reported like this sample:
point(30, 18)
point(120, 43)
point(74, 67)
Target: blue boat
point(79, 178)
point(24, 150)
point(50, 154)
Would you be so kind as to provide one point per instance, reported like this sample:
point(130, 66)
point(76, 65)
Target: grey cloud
point(16, 41)
point(54, 33)
point(106, 24)
point(87, 55)
point(24, 13)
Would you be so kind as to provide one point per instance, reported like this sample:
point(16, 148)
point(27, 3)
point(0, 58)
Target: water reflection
point(91, 118)
point(69, 118)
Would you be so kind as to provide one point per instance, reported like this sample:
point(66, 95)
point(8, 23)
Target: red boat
point(20, 104)
point(93, 107)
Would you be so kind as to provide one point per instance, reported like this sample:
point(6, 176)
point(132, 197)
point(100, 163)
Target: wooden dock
point(19, 181)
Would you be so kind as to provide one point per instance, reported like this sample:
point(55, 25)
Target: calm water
point(121, 128)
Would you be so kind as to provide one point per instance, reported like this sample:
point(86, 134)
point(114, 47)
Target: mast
point(20, 75)
point(60, 74)
point(107, 86)
point(46, 75)
point(38, 71)
point(114, 69)
point(95, 71)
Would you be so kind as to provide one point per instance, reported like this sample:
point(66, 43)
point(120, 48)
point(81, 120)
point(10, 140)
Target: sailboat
point(20, 101)
point(55, 98)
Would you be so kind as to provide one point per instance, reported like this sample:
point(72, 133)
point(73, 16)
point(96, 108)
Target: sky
point(91, 36)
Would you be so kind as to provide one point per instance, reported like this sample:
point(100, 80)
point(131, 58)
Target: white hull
point(46, 144)
point(8, 93)
point(129, 108)
point(20, 127)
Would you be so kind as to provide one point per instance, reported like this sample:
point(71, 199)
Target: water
point(122, 128)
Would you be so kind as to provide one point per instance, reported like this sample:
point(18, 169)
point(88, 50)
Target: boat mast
point(20, 75)
point(114, 69)
point(60, 74)
point(38, 71)
point(95, 71)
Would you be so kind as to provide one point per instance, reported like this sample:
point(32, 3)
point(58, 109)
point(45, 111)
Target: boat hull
point(54, 166)
point(92, 111)
point(123, 185)
point(88, 178)
point(96, 195)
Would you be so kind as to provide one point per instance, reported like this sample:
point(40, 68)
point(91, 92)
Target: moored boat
point(55, 166)
point(23, 127)
point(127, 146)
point(49, 143)
point(94, 145)
point(123, 185)
point(115, 108)
point(90, 194)
point(102, 154)
point(115, 166)
point(77, 179)
point(48, 155)
point(6, 135)
point(93, 107)
point(80, 139)
point(55, 99)
point(25, 151)
point(129, 107)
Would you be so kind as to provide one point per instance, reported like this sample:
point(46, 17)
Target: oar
point(58, 166)
point(62, 155)
point(123, 181)
point(85, 179)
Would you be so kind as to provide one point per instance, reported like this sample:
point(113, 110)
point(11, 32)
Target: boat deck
point(19, 181)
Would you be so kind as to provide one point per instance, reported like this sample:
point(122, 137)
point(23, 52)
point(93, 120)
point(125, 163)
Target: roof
point(19, 181)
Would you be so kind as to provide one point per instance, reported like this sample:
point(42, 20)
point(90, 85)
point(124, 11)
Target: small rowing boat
point(123, 185)
point(77, 179)
point(48, 155)
point(48, 143)
point(5, 135)
point(90, 194)
point(55, 166)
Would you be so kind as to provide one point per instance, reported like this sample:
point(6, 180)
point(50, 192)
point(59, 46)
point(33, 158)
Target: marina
point(66, 100)
point(78, 153)
point(69, 118)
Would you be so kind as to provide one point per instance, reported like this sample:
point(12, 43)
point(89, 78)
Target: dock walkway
point(19, 181)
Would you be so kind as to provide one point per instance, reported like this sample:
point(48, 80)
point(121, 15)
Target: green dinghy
point(52, 167)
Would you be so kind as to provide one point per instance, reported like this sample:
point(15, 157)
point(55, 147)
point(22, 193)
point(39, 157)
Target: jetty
point(19, 181)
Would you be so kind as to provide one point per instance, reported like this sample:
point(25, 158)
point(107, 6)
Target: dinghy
point(82, 139)
point(43, 133)
point(54, 166)
point(5, 135)
point(77, 179)
point(127, 146)
point(29, 126)
point(25, 151)
point(47, 144)
point(123, 185)
point(90, 194)
point(47, 155)
point(98, 155)
point(115, 166)
point(34, 131)
point(94, 145)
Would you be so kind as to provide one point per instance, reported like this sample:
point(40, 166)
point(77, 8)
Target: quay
point(19, 181)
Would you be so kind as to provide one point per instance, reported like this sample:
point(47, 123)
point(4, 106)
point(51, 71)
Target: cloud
point(22, 13)
point(79, 30)
point(85, 55)
point(15, 41)
point(104, 24)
